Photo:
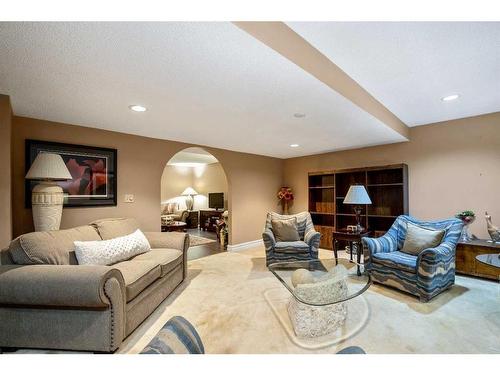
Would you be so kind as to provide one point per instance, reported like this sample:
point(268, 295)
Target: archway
point(194, 190)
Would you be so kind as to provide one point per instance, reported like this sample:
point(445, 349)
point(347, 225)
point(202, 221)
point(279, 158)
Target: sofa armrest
point(171, 240)
point(168, 240)
point(384, 244)
point(312, 239)
point(58, 285)
point(269, 240)
point(431, 259)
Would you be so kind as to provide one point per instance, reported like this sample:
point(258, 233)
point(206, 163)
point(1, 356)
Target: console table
point(467, 264)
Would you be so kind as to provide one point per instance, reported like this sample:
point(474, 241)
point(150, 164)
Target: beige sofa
point(47, 300)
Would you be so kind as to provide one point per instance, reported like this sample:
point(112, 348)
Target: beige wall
point(5, 171)
point(252, 179)
point(204, 179)
point(173, 181)
point(210, 179)
point(453, 166)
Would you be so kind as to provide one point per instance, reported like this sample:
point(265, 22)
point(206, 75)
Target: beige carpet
point(196, 240)
point(225, 298)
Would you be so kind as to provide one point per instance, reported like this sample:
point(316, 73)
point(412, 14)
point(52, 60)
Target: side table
point(350, 237)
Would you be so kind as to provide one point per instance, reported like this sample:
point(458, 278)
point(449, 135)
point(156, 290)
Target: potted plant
point(467, 218)
point(285, 196)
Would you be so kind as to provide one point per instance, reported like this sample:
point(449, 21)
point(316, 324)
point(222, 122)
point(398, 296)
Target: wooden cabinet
point(326, 236)
point(466, 263)
point(208, 219)
point(387, 187)
point(192, 219)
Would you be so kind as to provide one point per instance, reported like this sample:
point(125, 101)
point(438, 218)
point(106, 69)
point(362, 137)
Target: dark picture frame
point(94, 171)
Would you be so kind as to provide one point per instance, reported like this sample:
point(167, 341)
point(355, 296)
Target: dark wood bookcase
point(387, 187)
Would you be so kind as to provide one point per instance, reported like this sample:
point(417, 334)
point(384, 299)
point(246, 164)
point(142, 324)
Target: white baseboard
point(244, 245)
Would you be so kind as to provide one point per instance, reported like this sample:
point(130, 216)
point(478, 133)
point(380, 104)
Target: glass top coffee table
point(490, 259)
point(320, 290)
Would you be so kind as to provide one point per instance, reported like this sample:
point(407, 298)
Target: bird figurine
point(492, 229)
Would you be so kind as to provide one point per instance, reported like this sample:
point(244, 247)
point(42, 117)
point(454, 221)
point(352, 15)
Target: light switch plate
point(129, 198)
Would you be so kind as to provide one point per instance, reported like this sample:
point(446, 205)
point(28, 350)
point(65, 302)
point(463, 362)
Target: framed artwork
point(93, 170)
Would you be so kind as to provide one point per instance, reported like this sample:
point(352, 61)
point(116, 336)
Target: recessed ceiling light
point(137, 108)
point(299, 115)
point(294, 145)
point(449, 98)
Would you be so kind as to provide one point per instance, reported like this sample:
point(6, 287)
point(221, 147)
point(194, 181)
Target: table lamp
point(188, 193)
point(47, 197)
point(357, 195)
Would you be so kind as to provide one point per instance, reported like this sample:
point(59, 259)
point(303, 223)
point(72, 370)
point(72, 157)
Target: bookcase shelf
point(387, 187)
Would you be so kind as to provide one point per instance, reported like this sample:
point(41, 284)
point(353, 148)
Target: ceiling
point(410, 66)
point(213, 84)
point(192, 156)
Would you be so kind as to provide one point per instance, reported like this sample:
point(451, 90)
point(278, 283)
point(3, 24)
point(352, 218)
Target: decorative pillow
point(420, 238)
point(109, 252)
point(285, 230)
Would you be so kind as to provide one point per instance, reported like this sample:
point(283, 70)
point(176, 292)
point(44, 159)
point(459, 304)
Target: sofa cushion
point(107, 252)
point(398, 260)
point(291, 247)
point(420, 238)
point(285, 230)
point(168, 259)
point(116, 227)
point(138, 275)
point(51, 247)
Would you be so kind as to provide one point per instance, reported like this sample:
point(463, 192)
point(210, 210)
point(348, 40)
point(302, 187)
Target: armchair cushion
point(291, 247)
point(304, 222)
point(420, 238)
point(398, 260)
point(285, 230)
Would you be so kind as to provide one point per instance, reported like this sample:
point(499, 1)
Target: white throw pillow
point(112, 251)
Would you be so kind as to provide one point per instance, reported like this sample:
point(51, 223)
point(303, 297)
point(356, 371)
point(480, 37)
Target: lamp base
point(357, 211)
point(189, 202)
point(47, 200)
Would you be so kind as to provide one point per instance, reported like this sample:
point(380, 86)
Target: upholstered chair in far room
point(304, 247)
point(172, 209)
point(424, 274)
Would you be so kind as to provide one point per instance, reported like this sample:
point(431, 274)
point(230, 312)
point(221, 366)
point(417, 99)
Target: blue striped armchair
point(425, 275)
point(305, 249)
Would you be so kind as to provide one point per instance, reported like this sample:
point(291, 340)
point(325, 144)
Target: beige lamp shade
point(48, 166)
point(357, 195)
point(189, 191)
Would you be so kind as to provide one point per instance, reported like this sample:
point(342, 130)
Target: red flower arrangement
point(285, 193)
